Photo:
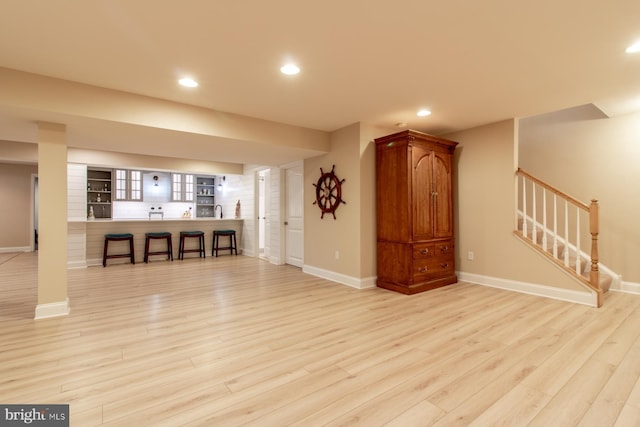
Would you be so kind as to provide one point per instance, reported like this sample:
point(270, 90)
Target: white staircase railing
point(572, 222)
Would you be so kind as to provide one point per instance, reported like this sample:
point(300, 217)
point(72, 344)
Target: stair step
point(605, 280)
point(560, 251)
point(572, 264)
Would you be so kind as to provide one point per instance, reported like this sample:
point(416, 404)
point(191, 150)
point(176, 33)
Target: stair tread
point(605, 280)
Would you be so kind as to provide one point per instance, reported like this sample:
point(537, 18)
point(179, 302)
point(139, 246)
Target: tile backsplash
point(140, 210)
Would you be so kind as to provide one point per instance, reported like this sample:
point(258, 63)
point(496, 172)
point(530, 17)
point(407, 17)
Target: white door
point(263, 225)
point(293, 218)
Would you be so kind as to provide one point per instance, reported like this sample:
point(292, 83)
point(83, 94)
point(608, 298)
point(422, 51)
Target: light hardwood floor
point(237, 341)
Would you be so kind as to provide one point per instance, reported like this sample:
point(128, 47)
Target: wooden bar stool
point(161, 235)
point(115, 237)
point(185, 235)
point(232, 241)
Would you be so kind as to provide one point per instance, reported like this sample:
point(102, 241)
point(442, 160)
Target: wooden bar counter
point(95, 230)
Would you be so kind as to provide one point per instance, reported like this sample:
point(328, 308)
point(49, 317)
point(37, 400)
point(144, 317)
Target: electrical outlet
point(337, 254)
point(470, 255)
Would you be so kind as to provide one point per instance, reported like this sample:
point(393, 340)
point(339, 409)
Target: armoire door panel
point(422, 192)
point(442, 201)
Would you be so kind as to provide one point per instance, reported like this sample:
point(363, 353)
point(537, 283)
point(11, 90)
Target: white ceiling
point(470, 62)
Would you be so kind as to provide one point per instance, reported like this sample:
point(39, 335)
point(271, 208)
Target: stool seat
point(114, 237)
point(158, 235)
point(233, 246)
point(186, 234)
point(118, 235)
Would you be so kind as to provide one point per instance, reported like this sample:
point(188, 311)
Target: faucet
point(214, 210)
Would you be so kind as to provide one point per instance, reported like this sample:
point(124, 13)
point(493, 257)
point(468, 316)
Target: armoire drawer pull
point(424, 251)
point(444, 265)
point(422, 270)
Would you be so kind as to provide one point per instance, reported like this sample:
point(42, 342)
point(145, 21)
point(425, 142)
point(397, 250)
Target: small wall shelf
point(205, 196)
point(99, 186)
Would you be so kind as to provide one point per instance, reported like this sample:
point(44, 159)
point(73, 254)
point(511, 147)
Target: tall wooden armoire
point(414, 203)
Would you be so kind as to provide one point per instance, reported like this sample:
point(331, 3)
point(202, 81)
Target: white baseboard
point(54, 309)
point(585, 298)
point(629, 287)
point(354, 282)
point(248, 253)
point(275, 260)
point(16, 249)
point(71, 265)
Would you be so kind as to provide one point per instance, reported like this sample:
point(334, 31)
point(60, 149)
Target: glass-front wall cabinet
point(182, 187)
point(128, 185)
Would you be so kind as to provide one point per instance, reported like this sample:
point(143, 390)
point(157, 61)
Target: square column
point(53, 300)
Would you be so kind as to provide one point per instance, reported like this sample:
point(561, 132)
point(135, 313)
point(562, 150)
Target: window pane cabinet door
point(176, 187)
point(188, 188)
point(128, 185)
point(181, 187)
point(122, 184)
point(135, 179)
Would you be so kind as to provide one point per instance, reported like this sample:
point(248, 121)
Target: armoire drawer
point(433, 267)
point(430, 250)
point(421, 251)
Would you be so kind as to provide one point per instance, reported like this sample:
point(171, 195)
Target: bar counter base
point(90, 234)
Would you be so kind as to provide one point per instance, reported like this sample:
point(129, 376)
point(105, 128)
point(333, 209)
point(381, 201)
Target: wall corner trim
point(54, 309)
point(354, 282)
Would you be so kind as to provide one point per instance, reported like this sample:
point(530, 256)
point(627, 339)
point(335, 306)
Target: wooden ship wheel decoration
point(328, 192)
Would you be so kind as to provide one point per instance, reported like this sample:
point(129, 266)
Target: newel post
point(594, 229)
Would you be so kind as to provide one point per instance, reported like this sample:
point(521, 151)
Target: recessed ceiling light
point(424, 112)
point(634, 48)
point(290, 69)
point(188, 82)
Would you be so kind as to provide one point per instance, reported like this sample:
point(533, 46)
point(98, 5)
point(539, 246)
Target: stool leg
point(181, 247)
point(235, 243)
point(104, 253)
point(146, 250)
point(133, 254)
point(202, 247)
point(170, 248)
